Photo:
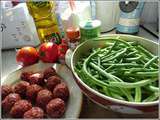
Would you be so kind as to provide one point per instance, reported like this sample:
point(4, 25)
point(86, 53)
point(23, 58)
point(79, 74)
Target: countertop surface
point(89, 109)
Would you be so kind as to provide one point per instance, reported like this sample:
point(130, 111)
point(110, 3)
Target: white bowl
point(106, 101)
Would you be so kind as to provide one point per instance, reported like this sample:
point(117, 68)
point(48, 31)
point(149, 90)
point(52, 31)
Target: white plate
point(75, 99)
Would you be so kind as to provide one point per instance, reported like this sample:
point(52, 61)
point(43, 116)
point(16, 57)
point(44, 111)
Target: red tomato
point(48, 52)
point(63, 41)
point(27, 56)
point(62, 48)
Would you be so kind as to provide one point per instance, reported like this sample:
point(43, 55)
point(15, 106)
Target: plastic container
point(89, 29)
point(43, 13)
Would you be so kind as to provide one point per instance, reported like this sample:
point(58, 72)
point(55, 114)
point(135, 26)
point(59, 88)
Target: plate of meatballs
point(39, 91)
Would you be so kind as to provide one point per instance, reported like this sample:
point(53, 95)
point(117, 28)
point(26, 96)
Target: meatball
point(52, 82)
point(36, 78)
point(49, 72)
point(55, 108)
point(21, 88)
point(43, 97)
point(19, 108)
point(35, 112)
point(6, 90)
point(61, 91)
point(25, 76)
point(9, 101)
point(32, 91)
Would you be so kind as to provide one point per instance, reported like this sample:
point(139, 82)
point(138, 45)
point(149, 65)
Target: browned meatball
point(21, 88)
point(61, 91)
point(19, 108)
point(9, 101)
point(55, 108)
point(32, 91)
point(37, 78)
point(35, 112)
point(43, 97)
point(6, 90)
point(52, 82)
point(25, 76)
point(49, 72)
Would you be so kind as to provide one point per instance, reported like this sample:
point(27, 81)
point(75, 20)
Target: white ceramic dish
point(106, 101)
point(75, 99)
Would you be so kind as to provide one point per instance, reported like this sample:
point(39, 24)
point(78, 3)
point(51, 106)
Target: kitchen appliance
point(129, 16)
point(18, 28)
point(108, 13)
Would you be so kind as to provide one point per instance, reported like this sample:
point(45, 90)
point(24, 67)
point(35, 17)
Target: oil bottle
point(43, 13)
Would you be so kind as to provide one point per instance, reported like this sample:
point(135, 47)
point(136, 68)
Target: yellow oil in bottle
point(43, 13)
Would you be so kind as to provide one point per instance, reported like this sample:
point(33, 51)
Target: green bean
point(109, 68)
point(133, 70)
point(132, 85)
point(142, 74)
point(108, 75)
point(96, 76)
point(121, 60)
point(132, 53)
point(115, 43)
point(127, 94)
point(137, 94)
point(151, 61)
point(153, 88)
point(153, 97)
point(106, 91)
point(123, 65)
point(99, 61)
point(121, 45)
point(109, 55)
point(133, 59)
point(153, 64)
point(146, 52)
point(81, 75)
point(105, 38)
point(115, 90)
point(117, 55)
point(114, 95)
point(131, 79)
point(96, 81)
point(112, 77)
point(142, 62)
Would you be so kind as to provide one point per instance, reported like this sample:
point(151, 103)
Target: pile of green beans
point(122, 70)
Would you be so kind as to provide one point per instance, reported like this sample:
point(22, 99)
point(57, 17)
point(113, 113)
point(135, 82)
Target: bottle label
point(40, 4)
point(129, 22)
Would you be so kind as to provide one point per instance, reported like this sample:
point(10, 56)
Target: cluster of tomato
point(47, 52)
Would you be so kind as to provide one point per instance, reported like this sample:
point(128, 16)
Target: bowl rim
point(102, 95)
